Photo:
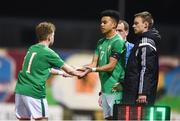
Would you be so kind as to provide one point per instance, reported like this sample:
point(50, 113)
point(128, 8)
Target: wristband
point(60, 72)
point(93, 69)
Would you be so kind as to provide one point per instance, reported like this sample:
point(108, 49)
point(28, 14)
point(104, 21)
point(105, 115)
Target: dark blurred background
point(77, 21)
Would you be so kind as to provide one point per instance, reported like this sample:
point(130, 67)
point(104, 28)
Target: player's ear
point(114, 25)
point(48, 38)
point(146, 24)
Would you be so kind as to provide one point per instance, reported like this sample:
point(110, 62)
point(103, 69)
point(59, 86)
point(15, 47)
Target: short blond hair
point(44, 29)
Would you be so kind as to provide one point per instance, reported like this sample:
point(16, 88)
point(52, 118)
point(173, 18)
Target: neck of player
point(111, 34)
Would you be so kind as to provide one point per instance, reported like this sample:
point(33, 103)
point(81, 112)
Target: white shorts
point(108, 101)
point(27, 107)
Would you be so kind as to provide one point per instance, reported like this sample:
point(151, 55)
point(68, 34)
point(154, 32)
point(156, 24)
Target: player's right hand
point(80, 68)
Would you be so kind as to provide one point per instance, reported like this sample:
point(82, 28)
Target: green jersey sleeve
point(54, 59)
point(119, 46)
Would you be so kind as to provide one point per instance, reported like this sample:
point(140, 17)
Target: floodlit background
point(77, 24)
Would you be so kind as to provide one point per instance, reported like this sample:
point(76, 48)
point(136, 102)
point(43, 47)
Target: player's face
point(51, 37)
point(107, 24)
point(121, 31)
point(139, 25)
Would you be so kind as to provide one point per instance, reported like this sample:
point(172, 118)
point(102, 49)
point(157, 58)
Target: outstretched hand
point(88, 67)
point(66, 75)
point(80, 69)
point(83, 73)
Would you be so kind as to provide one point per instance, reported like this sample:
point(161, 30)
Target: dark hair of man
point(146, 16)
point(44, 29)
point(126, 25)
point(111, 13)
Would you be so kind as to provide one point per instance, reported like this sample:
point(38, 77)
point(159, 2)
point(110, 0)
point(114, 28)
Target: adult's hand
point(142, 99)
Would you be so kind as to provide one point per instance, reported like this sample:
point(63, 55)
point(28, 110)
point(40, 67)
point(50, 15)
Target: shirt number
point(101, 55)
point(30, 62)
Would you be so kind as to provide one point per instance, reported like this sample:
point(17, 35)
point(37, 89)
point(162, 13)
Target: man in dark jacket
point(141, 76)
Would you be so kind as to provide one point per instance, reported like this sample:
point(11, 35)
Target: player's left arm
point(108, 67)
point(116, 50)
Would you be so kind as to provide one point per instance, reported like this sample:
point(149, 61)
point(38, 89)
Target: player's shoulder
point(119, 36)
point(49, 50)
point(101, 40)
point(118, 39)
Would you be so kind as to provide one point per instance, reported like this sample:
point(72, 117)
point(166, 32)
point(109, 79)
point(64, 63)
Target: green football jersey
point(104, 50)
point(36, 69)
